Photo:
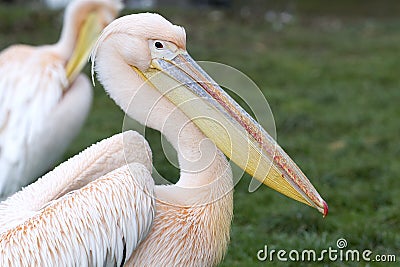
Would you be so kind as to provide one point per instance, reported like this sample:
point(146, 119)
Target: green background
point(331, 77)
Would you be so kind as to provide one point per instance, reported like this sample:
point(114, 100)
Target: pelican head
point(83, 22)
point(153, 52)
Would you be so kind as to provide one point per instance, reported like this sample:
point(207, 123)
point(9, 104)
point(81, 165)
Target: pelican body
point(102, 205)
point(43, 99)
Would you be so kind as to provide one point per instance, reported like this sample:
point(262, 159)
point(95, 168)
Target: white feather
point(30, 92)
point(72, 217)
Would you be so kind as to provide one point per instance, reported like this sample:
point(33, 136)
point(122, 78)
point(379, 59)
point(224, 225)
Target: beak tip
point(325, 213)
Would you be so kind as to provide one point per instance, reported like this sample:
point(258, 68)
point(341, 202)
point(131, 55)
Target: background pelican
point(110, 219)
point(43, 98)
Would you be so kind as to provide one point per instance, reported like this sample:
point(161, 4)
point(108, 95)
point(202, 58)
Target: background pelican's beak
point(231, 128)
point(87, 36)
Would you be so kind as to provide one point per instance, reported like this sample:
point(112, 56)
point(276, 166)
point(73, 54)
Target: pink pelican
point(44, 100)
point(102, 208)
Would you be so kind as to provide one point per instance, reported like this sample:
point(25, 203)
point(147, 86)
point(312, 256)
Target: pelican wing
point(31, 83)
point(100, 222)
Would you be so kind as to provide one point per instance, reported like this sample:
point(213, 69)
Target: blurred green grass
point(332, 81)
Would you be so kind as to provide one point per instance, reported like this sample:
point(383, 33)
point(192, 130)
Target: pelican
point(43, 99)
point(101, 207)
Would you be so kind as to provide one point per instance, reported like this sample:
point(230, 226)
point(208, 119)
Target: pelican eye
point(158, 45)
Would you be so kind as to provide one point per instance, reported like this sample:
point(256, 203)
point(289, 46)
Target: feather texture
point(86, 221)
